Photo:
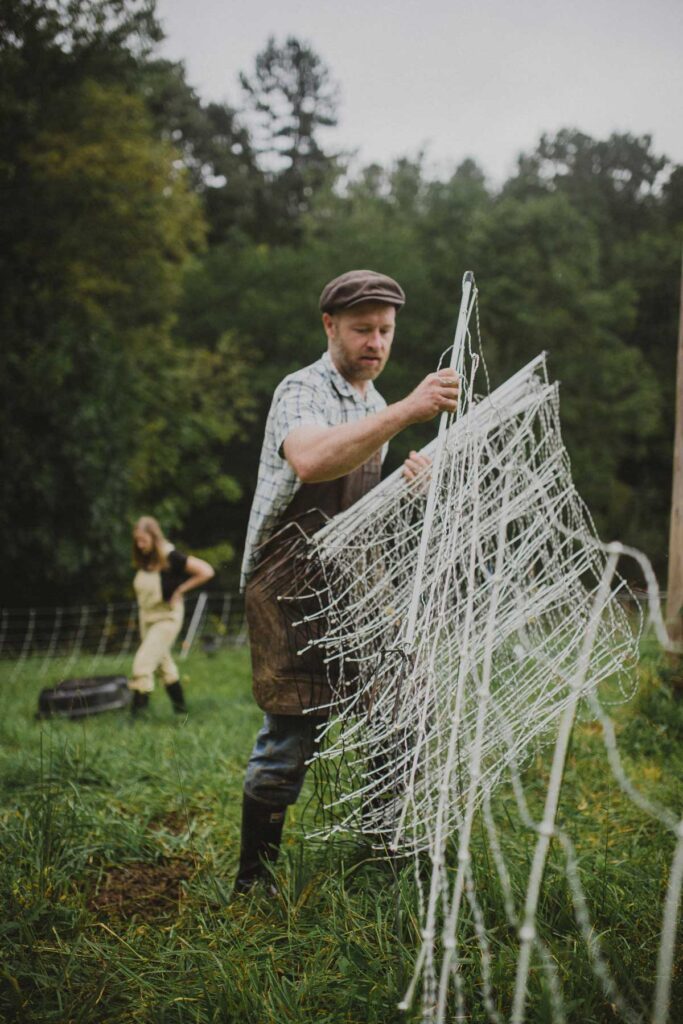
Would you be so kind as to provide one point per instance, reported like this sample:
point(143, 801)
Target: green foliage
point(215, 148)
point(631, 197)
point(127, 217)
point(541, 258)
point(161, 259)
point(104, 414)
point(88, 291)
point(195, 404)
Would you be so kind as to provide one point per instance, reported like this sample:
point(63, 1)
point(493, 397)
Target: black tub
point(74, 698)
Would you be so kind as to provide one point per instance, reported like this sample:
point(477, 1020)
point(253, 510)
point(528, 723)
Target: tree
point(89, 291)
point(540, 268)
point(292, 97)
point(197, 407)
point(96, 225)
point(616, 180)
point(106, 412)
point(214, 145)
point(632, 197)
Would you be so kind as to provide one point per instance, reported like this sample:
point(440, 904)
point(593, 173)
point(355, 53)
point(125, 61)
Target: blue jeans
point(277, 766)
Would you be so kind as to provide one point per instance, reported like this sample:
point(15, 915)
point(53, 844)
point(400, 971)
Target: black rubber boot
point(175, 692)
point(139, 703)
point(261, 834)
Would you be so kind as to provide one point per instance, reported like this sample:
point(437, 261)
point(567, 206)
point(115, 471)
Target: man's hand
point(414, 466)
point(437, 393)
point(414, 472)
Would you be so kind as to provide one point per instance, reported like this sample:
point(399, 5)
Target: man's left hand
point(414, 466)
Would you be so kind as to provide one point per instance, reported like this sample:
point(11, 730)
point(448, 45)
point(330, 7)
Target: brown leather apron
point(284, 681)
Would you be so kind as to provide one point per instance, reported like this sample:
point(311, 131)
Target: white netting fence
point(466, 620)
point(38, 636)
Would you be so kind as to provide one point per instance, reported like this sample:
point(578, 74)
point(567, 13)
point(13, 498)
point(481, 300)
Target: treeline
point(161, 259)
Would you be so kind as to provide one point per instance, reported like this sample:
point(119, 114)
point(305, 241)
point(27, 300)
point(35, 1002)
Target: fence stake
point(194, 626)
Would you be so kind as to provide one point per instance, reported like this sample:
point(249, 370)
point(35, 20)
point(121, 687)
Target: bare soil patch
point(146, 890)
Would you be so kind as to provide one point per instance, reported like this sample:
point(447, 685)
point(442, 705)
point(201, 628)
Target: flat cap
point(360, 286)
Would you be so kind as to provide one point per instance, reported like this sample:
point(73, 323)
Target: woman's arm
point(198, 571)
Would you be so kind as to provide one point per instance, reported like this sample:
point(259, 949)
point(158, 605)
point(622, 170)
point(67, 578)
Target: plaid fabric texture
point(317, 395)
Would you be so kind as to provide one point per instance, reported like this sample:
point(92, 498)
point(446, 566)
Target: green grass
point(119, 844)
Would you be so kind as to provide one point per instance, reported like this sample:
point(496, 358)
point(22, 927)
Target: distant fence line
point(211, 620)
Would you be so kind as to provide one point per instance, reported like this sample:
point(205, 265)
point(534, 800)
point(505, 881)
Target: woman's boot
point(177, 697)
point(139, 703)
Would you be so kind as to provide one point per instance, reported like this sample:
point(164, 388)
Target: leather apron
point(284, 681)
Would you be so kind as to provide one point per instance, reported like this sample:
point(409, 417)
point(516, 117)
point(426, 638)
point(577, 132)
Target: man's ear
point(328, 324)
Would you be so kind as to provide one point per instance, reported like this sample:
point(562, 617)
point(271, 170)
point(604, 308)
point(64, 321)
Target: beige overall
point(159, 628)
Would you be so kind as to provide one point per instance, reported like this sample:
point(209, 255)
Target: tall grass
point(119, 841)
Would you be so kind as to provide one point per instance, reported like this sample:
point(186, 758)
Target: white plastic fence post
point(194, 626)
point(456, 364)
point(26, 646)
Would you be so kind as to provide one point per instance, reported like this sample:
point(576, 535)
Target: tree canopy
point(162, 258)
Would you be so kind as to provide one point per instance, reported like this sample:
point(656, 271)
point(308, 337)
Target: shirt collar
point(341, 384)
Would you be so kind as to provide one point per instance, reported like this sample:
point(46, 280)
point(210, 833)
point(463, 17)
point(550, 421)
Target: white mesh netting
point(465, 619)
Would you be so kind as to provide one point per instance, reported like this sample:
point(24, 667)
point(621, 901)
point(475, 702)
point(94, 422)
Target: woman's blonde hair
point(156, 558)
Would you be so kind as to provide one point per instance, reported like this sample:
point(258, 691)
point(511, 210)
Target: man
point(326, 435)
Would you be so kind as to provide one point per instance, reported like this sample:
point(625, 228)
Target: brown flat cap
point(360, 286)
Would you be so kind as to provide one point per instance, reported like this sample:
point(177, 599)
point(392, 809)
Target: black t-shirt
point(172, 577)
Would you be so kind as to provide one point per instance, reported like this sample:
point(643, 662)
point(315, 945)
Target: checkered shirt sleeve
point(297, 403)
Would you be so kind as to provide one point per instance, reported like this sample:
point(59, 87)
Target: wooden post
point(674, 601)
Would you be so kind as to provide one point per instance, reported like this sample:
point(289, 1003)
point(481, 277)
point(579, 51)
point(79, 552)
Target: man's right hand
point(437, 393)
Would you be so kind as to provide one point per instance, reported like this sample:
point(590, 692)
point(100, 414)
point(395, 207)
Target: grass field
point(119, 843)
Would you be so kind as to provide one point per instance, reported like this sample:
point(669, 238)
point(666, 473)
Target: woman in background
point(163, 576)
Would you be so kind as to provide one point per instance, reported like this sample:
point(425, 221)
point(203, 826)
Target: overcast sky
point(481, 79)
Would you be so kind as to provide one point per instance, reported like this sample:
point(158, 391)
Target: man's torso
point(316, 395)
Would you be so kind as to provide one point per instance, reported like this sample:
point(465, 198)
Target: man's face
point(359, 340)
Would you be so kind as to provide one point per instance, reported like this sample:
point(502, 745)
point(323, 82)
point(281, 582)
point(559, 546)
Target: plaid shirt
point(317, 395)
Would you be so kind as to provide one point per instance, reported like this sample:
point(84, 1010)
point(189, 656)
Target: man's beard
point(360, 371)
